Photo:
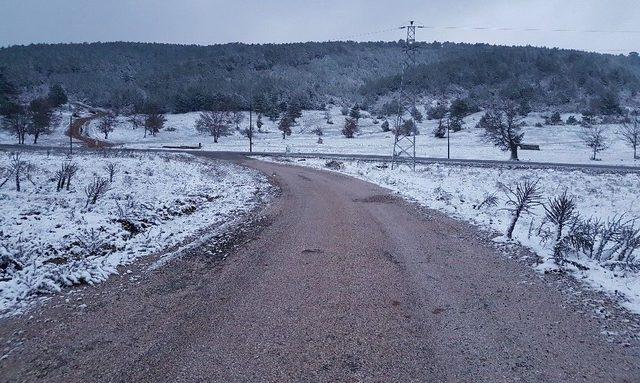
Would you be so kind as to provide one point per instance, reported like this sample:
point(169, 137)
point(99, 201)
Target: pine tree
point(57, 96)
point(285, 126)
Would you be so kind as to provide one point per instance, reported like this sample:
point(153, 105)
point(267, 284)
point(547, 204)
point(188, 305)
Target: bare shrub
point(12, 259)
point(96, 190)
point(72, 169)
point(560, 211)
point(64, 175)
point(489, 200)
point(595, 137)
point(90, 243)
point(612, 243)
point(112, 169)
point(127, 208)
point(19, 170)
point(521, 199)
point(630, 133)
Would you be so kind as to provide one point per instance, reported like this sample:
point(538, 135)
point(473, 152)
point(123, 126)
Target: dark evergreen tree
point(416, 115)
point(57, 96)
point(350, 127)
point(43, 119)
point(354, 112)
point(285, 126)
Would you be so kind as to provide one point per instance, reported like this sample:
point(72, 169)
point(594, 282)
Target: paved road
point(345, 284)
point(595, 167)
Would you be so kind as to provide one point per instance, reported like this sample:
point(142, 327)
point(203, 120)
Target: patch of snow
point(155, 201)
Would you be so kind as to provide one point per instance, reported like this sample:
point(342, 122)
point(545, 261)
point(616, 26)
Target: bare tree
point(106, 124)
point(18, 124)
point(19, 169)
point(136, 121)
point(215, 123)
point(521, 199)
point(595, 137)
point(630, 133)
point(112, 169)
point(96, 190)
point(560, 211)
point(237, 117)
point(501, 128)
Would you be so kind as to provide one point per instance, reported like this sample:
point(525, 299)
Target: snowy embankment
point(50, 239)
point(460, 191)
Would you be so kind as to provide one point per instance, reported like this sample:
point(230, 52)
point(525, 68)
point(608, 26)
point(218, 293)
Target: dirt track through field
point(345, 284)
point(76, 132)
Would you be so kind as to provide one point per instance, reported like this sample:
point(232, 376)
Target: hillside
point(182, 78)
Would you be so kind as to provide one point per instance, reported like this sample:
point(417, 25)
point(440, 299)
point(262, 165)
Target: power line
point(532, 29)
point(506, 29)
point(363, 34)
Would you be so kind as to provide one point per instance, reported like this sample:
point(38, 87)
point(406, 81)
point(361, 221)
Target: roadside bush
point(334, 165)
point(612, 243)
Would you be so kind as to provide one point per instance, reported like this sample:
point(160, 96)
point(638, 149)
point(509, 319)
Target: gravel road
point(344, 283)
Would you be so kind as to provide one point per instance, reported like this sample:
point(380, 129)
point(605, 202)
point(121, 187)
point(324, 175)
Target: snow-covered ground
point(458, 190)
point(558, 143)
point(51, 239)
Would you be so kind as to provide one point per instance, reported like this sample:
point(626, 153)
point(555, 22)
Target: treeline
point(181, 78)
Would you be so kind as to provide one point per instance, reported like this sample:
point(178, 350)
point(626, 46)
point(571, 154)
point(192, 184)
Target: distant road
point(602, 168)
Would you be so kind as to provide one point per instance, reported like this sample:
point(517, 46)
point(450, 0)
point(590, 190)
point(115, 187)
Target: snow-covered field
point(50, 239)
point(459, 190)
point(558, 143)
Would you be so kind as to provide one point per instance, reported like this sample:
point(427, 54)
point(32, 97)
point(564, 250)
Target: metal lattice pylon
point(404, 145)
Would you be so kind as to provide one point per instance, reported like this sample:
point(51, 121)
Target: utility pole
point(448, 139)
point(70, 135)
point(404, 145)
point(250, 131)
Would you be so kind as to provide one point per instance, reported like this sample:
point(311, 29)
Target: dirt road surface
point(344, 283)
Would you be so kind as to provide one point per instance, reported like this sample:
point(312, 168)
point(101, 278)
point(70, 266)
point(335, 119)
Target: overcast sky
point(252, 21)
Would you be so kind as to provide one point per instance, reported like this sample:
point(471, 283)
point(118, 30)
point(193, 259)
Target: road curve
point(346, 283)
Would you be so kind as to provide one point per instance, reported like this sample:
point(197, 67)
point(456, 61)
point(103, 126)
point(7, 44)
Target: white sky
point(252, 21)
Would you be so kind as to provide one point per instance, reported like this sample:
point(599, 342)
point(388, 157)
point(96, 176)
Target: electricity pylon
point(404, 145)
